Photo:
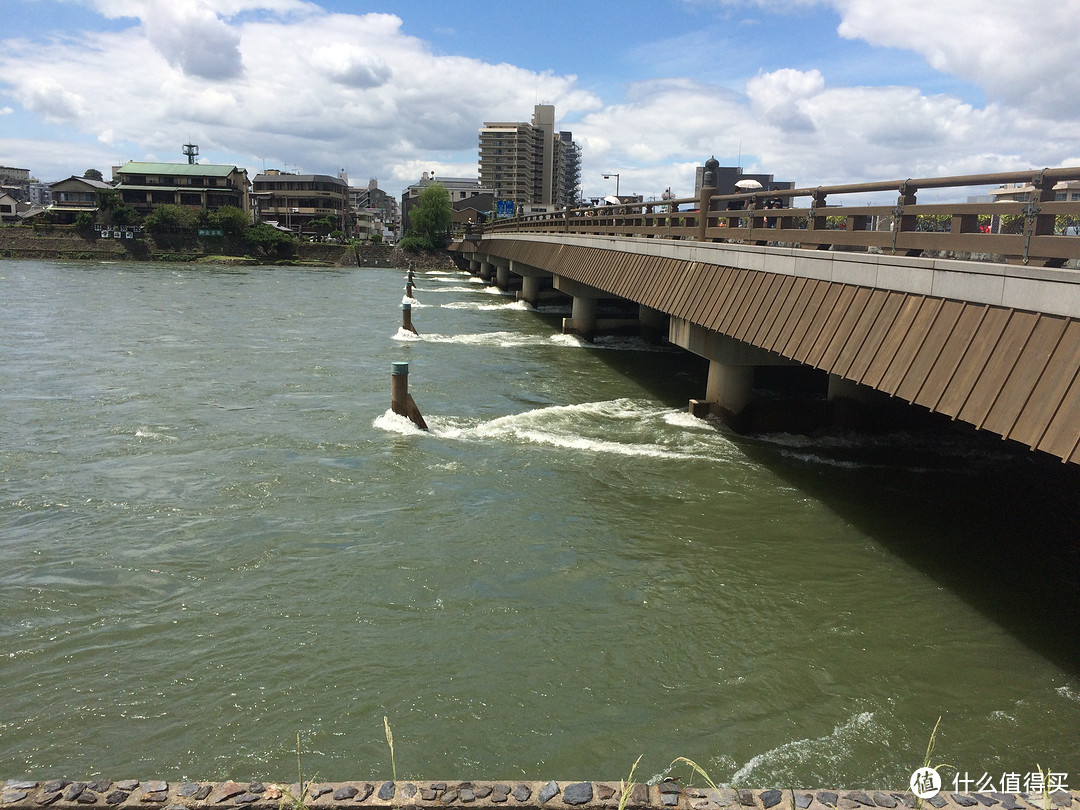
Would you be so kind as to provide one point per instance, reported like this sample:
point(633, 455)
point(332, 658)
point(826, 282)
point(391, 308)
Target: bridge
point(971, 310)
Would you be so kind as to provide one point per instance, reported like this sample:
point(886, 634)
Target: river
point(214, 536)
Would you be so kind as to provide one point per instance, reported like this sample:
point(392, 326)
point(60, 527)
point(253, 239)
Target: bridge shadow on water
point(990, 520)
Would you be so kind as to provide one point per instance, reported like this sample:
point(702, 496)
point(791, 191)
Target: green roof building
point(144, 186)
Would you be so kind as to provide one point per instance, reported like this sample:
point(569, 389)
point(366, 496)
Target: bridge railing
point(1039, 229)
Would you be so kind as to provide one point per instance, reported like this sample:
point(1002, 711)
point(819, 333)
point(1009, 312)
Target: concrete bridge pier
point(654, 324)
point(859, 406)
point(730, 385)
point(502, 274)
point(487, 270)
point(727, 392)
point(582, 320)
point(530, 289)
point(532, 281)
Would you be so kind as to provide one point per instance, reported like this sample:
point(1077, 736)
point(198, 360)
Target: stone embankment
point(58, 242)
point(131, 793)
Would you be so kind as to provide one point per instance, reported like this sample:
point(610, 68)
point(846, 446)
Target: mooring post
point(401, 401)
point(406, 317)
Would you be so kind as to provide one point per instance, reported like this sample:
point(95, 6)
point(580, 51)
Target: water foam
point(496, 339)
point(522, 306)
point(644, 430)
point(835, 747)
point(395, 423)
point(1067, 692)
point(454, 289)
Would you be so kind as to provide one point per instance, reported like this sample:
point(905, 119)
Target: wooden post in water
point(406, 317)
point(401, 401)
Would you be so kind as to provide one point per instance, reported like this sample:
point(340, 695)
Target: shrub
point(172, 219)
point(266, 240)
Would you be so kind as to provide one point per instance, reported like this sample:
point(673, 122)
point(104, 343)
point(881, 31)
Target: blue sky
point(815, 91)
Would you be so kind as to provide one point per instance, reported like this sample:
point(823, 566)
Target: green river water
point(214, 537)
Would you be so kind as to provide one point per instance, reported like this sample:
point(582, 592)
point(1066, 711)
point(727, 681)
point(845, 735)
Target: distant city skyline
point(816, 91)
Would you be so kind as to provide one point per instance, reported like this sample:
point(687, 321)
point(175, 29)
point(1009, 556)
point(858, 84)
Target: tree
point(93, 174)
point(266, 240)
point(172, 218)
point(431, 218)
point(232, 220)
point(323, 225)
point(113, 211)
point(84, 222)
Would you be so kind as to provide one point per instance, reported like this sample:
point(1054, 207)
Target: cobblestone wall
point(131, 793)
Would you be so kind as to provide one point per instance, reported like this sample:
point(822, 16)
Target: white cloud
point(326, 90)
point(351, 65)
point(783, 97)
point(192, 37)
point(318, 89)
point(1019, 53)
point(49, 98)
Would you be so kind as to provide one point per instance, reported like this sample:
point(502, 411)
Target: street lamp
point(608, 176)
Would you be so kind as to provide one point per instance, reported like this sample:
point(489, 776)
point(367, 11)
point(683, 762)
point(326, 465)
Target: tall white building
point(530, 163)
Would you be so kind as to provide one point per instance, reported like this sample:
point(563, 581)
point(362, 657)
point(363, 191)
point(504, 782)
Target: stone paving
point(131, 793)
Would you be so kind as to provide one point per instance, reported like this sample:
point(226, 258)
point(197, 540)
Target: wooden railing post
point(1037, 223)
point(905, 222)
point(704, 204)
point(816, 220)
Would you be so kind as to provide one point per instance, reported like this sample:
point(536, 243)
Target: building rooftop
point(179, 169)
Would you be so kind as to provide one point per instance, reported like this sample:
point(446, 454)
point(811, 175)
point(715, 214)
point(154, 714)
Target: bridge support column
point(839, 388)
point(653, 324)
point(487, 270)
point(474, 266)
point(853, 405)
point(530, 289)
point(732, 363)
point(728, 389)
point(582, 320)
point(533, 282)
point(502, 276)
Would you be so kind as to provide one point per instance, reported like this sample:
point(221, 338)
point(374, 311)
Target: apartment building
point(374, 198)
point(294, 200)
point(458, 188)
point(530, 163)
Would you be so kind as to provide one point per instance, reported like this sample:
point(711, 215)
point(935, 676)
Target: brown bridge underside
point(1008, 371)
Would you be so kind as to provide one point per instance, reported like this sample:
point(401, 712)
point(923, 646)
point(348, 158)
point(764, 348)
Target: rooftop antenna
point(192, 151)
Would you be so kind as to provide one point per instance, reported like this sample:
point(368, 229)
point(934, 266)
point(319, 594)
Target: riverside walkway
point(971, 310)
point(68, 795)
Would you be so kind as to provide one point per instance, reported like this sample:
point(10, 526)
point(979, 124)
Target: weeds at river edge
point(390, 742)
point(288, 800)
point(926, 759)
point(627, 787)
